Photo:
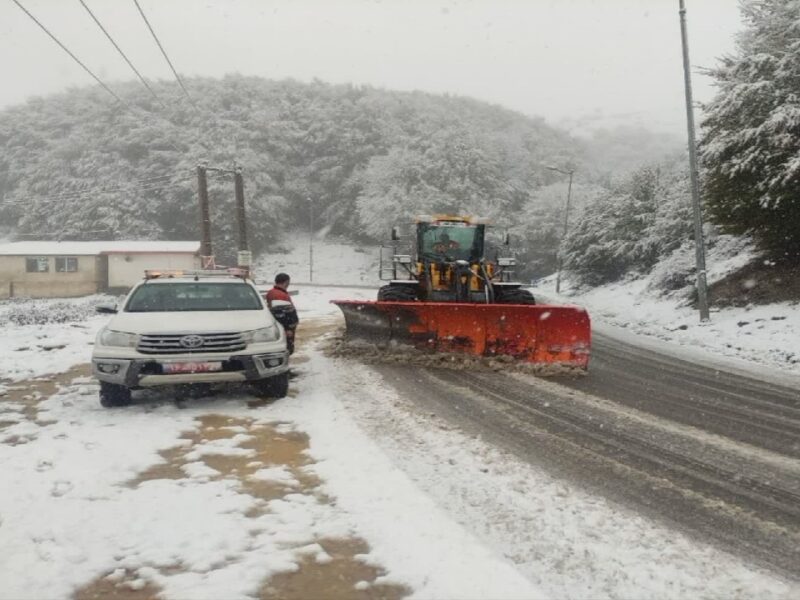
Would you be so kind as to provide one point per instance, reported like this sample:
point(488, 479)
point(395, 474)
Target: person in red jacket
point(280, 304)
point(279, 290)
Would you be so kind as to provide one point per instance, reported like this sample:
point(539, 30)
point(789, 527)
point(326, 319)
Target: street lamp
point(310, 240)
point(566, 224)
point(699, 243)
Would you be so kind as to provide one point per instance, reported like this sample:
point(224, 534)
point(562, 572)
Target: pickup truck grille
point(189, 343)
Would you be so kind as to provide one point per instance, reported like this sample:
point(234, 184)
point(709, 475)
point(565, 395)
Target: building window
point(37, 264)
point(66, 264)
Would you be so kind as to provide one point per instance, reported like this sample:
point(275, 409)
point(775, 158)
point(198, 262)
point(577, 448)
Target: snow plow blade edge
point(539, 334)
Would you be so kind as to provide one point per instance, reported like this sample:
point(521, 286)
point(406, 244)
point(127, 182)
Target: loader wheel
point(516, 297)
point(396, 293)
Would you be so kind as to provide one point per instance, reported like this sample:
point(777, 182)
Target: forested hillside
point(77, 166)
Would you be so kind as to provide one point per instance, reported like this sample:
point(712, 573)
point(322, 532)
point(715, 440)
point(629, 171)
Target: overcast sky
point(600, 61)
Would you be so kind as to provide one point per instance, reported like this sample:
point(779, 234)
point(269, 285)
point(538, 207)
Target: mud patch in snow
point(277, 465)
point(205, 454)
point(121, 583)
point(201, 521)
point(334, 569)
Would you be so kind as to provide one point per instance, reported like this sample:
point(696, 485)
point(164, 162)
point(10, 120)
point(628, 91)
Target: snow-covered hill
point(323, 261)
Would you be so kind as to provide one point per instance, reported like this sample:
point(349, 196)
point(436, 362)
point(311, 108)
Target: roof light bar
point(170, 273)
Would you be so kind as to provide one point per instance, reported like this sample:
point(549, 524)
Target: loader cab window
point(449, 242)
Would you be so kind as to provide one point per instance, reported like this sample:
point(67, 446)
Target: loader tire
point(516, 297)
point(396, 293)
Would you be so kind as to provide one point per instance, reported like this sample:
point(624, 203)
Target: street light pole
point(699, 242)
point(310, 241)
point(559, 261)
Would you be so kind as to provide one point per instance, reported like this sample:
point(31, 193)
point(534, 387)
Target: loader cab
point(449, 241)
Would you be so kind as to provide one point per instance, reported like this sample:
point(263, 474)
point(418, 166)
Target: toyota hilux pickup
point(197, 327)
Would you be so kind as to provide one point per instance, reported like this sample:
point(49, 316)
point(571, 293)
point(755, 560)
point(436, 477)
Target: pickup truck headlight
point(266, 334)
point(108, 337)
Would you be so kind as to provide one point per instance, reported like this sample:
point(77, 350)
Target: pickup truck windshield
point(193, 296)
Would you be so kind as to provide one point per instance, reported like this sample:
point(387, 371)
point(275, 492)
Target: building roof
point(96, 248)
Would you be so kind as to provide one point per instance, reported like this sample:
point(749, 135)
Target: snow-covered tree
point(75, 166)
point(630, 228)
point(537, 233)
point(751, 133)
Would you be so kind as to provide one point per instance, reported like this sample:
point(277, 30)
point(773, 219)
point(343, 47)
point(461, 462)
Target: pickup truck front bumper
point(149, 371)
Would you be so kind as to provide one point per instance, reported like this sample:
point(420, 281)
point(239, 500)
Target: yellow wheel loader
point(447, 296)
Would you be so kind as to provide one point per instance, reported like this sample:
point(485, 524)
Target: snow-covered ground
point(569, 543)
point(223, 497)
point(42, 337)
point(760, 334)
point(167, 499)
point(767, 335)
point(334, 262)
point(79, 506)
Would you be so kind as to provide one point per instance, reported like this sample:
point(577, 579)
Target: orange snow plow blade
point(539, 334)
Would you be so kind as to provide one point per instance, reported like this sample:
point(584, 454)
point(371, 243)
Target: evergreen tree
point(631, 227)
point(751, 138)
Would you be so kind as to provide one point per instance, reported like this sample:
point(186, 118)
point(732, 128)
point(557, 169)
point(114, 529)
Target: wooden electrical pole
point(244, 258)
point(241, 219)
point(206, 252)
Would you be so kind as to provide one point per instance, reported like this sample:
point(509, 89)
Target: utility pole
point(206, 252)
point(244, 257)
point(241, 220)
point(699, 242)
point(560, 260)
point(310, 241)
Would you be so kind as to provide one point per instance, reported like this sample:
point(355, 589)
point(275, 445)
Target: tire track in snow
point(747, 515)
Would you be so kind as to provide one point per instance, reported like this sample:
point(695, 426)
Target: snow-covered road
point(350, 487)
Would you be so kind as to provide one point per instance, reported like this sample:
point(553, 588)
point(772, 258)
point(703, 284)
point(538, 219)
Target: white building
point(62, 269)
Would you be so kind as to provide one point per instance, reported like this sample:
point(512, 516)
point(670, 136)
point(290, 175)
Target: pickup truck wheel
point(112, 394)
point(276, 386)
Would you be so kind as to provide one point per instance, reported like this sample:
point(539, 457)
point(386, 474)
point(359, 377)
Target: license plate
point(191, 367)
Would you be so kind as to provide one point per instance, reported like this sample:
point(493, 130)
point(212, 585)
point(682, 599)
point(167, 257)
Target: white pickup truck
point(190, 328)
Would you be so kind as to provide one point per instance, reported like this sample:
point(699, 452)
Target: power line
point(125, 104)
point(134, 182)
point(127, 185)
point(164, 52)
point(79, 195)
point(75, 58)
point(59, 235)
point(95, 77)
point(127, 60)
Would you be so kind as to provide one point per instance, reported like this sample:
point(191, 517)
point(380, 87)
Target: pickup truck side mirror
point(106, 309)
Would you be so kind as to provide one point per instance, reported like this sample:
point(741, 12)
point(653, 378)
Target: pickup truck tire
point(272, 387)
point(112, 395)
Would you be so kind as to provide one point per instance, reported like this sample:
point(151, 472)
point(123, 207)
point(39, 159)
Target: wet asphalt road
point(711, 452)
